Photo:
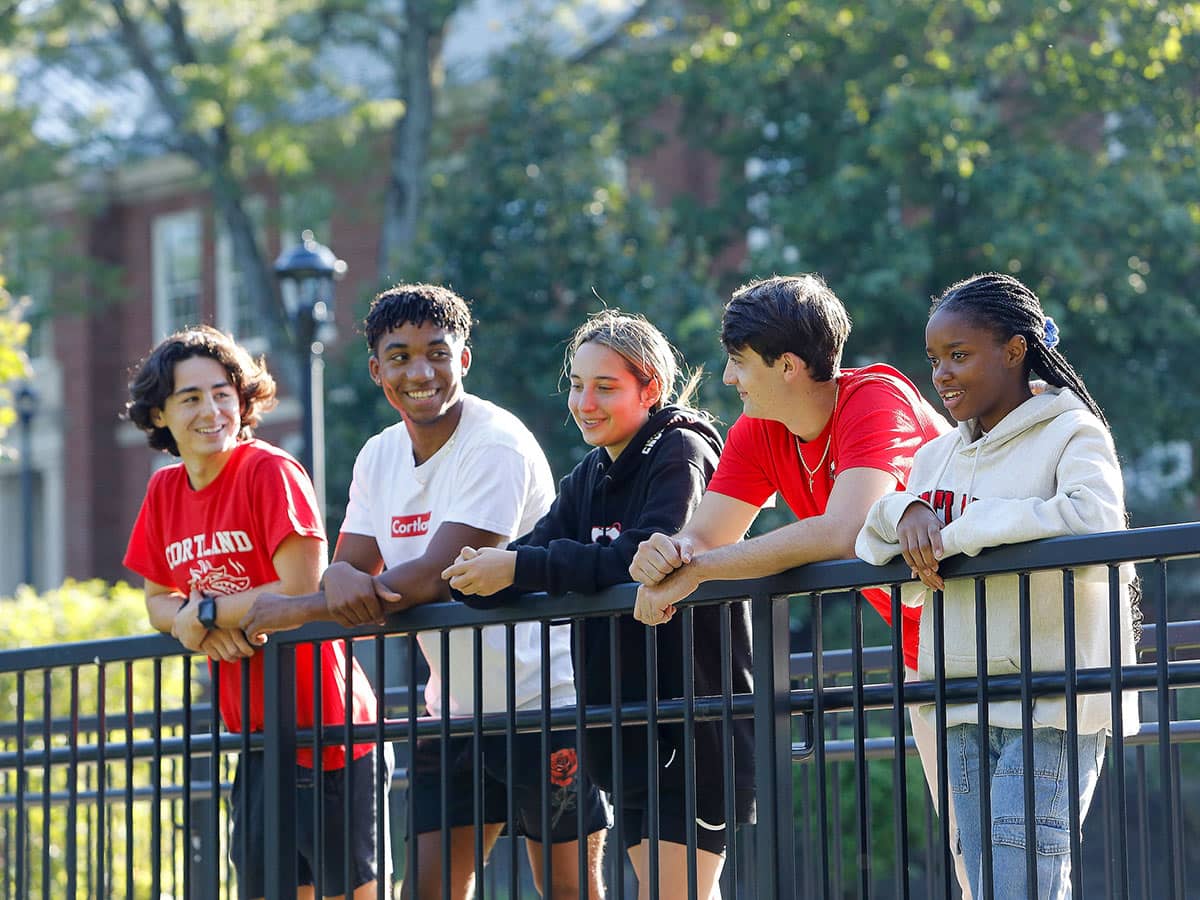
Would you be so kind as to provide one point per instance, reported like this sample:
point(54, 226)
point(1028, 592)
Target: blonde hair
point(648, 355)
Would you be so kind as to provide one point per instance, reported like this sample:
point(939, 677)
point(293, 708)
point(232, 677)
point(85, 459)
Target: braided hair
point(1008, 307)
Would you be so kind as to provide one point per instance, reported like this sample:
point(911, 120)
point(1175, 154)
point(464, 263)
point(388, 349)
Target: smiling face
point(203, 410)
point(421, 368)
point(607, 401)
point(977, 375)
point(758, 385)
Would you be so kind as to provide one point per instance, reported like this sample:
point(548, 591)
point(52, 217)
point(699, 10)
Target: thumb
point(468, 553)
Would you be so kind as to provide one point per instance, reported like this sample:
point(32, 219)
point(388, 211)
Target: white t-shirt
point(492, 475)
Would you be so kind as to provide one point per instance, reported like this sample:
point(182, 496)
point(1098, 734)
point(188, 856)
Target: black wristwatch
point(206, 612)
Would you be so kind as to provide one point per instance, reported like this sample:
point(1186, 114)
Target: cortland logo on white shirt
point(612, 532)
point(411, 526)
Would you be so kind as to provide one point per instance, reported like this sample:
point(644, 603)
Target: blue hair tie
point(1051, 334)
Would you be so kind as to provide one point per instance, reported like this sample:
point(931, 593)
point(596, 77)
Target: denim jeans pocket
point(1053, 835)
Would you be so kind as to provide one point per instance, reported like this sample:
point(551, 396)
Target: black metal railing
point(111, 763)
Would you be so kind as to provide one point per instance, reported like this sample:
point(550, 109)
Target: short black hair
point(415, 304)
point(1006, 306)
point(788, 314)
point(154, 381)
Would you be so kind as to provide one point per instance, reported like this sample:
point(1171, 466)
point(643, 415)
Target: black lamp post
point(306, 274)
point(26, 404)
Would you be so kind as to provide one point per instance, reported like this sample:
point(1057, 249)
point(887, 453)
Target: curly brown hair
point(154, 381)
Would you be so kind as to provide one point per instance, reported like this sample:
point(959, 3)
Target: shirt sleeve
point(358, 510)
point(739, 473)
point(876, 429)
point(675, 484)
point(285, 502)
point(492, 488)
point(1089, 498)
point(144, 554)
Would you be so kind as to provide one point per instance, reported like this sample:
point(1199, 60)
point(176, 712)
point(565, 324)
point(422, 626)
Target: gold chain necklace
point(812, 473)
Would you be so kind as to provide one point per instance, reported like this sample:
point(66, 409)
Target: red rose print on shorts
point(564, 765)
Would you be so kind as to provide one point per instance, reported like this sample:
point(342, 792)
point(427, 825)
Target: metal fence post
point(773, 746)
point(279, 770)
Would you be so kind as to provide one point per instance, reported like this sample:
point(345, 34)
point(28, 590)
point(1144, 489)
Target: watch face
point(207, 613)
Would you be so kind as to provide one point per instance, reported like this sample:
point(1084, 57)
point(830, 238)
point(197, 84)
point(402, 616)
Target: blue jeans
point(1051, 805)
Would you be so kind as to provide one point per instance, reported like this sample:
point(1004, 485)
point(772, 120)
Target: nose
point(727, 376)
point(939, 372)
point(587, 398)
point(420, 369)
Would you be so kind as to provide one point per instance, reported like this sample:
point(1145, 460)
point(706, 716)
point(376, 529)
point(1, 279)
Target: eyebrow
point(192, 388)
point(400, 345)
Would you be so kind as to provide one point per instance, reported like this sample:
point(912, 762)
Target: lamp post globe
point(306, 273)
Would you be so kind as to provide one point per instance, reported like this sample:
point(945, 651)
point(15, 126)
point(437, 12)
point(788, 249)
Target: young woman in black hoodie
point(652, 461)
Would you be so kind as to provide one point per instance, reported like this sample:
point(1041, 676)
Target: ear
point(157, 419)
point(373, 367)
point(651, 393)
point(791, 365)
point(1015, 349)
point(466, 359)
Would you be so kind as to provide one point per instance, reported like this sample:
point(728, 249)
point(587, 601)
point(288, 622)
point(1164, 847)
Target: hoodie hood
point(669, 418)
point(1049, 404)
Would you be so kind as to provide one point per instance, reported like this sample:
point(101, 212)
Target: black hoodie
point(585, 544)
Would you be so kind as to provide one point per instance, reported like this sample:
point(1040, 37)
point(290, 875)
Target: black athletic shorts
point(363, 865)
point(672, 818)
point(567, 786)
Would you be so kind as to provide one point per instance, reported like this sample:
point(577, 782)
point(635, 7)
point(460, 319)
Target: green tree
point(13, 364)
point(897, 148)
point(533, 219)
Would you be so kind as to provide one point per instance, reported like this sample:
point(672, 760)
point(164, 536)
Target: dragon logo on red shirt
point(218, 580)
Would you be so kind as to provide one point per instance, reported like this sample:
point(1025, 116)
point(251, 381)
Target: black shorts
point(568, 786)
point(672, 818)
point(363, 867)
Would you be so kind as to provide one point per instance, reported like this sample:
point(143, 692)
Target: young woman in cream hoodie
point(1019, 467)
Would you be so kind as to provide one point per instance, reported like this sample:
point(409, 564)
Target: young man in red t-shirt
point(234, 517)
point(830, 441)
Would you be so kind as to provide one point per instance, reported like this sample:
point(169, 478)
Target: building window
point(236, 312)
point(25, 265)
point(178, 243)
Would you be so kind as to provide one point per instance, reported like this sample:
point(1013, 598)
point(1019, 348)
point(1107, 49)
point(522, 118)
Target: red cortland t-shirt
point(879, 422)
point(220, 540)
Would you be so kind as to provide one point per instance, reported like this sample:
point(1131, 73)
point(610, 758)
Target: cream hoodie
point(1047, 469)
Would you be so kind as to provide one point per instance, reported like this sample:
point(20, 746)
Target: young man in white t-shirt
point(456, 471)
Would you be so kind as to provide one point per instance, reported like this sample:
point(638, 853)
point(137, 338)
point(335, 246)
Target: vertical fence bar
point(728, 752)
point(652, 762)
point(318, 755)
point(1166, 767)
point(862, 797)
point(477, 755)
point(547, 846)
point(614, 681)
point(244, 781)
point(983, 708)
point(821, 867)
point(186, 767)
point(411, 873)
point(581, 861)
point(73, 787)
point(943, 784)
point(22, 821)
point(348, 811)
point(210, 847)
point(773, 741)
point(1121, 887)
point(899, 761)
point(129, 787)
point(510, 755)
point(383, 825)
point(156, 787)
point(47, 779)
point(1027, 785)
point(1070, 693)
point(279, 768)
point(689, 746)
point(446, 757)
point(101, 779)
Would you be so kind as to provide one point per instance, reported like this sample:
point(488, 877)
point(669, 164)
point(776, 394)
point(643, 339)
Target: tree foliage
point(897, 148)
point(13, 364)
